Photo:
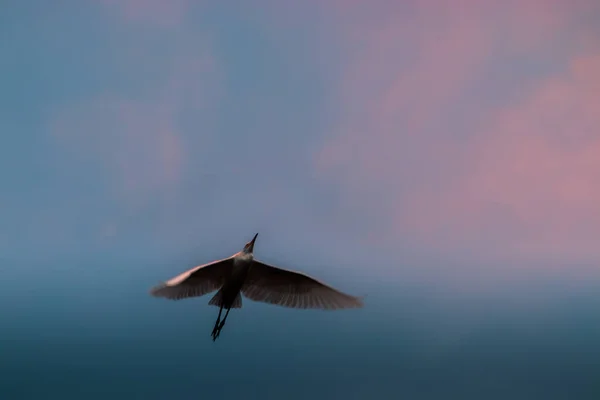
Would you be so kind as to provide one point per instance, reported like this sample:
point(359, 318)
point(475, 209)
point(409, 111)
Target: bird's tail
point(217, 300)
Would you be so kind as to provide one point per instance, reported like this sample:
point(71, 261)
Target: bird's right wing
point(196, 282)
point(273, 285)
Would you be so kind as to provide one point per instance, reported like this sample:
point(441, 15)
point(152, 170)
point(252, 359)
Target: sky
point(441, 158)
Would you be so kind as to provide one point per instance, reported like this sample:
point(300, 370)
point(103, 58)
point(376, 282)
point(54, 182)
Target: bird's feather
point(273, 285)
point(217, 300)
point(196, 282)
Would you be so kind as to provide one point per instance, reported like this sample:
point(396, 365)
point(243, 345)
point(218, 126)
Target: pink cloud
point(449, 171)
point(137, 144)
point(534, 170)
point(159, 12)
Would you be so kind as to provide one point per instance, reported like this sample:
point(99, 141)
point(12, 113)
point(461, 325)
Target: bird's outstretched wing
point(285, 288)
point(198, 281)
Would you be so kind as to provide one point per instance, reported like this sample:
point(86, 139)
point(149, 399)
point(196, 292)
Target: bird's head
point(249, 247)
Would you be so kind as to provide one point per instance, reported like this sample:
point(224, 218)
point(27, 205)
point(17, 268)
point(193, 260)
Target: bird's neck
point(242, 256)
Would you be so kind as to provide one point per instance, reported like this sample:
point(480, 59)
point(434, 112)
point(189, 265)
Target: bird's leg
point(216, 328)
point(224, 319)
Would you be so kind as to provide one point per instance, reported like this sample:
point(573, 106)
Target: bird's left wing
point(196, 282)
point(285, 288)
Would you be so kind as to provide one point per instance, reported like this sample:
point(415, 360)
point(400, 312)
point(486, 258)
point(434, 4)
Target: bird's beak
point(251, 247)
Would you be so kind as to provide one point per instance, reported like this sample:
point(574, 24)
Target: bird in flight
point(241, 274)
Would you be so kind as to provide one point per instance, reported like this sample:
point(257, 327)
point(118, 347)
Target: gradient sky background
point(441, 157)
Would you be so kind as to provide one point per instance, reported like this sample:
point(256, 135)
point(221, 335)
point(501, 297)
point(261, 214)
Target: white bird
point(242, 274)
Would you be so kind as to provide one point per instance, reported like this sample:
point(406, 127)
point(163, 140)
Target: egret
point(241, 274)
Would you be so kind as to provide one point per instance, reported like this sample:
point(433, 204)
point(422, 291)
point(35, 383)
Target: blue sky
point(439, 160)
